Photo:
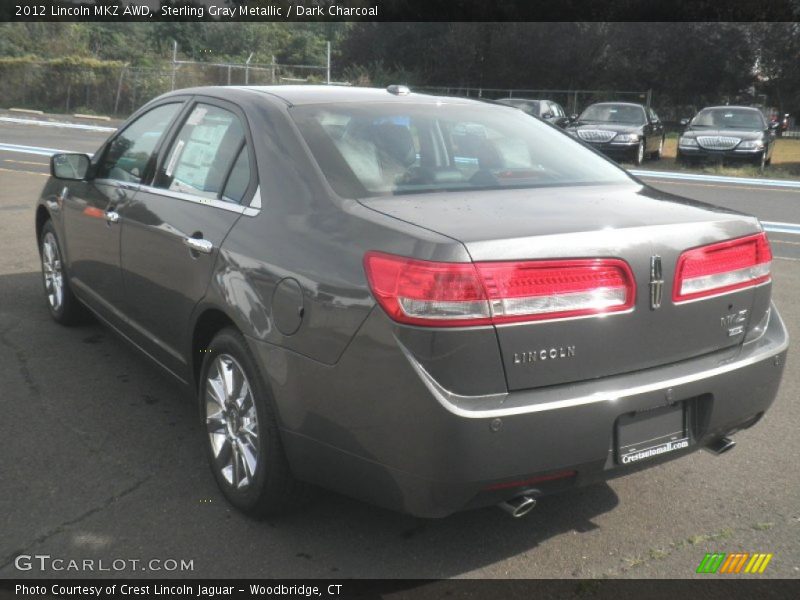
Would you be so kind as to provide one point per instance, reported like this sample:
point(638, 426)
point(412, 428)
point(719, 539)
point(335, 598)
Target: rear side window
point(208, 151)
point(239, 179)
point(132, 153)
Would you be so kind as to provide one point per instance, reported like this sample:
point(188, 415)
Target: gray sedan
point(427, 303)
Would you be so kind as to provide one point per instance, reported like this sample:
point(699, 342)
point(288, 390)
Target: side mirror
point(684, 122)
point(547, 115)
point(73, 167)
point(574, 117)
point(774, 125)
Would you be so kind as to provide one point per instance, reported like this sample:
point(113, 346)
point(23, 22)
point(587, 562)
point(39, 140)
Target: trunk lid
point(631, 222)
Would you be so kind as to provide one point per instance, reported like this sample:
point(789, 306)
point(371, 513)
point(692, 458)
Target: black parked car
point(622, 130)
point(427, 303)
point(728, 133)
point(544, 109)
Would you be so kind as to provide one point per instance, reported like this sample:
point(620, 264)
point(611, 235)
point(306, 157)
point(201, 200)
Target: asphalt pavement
point(101, 455)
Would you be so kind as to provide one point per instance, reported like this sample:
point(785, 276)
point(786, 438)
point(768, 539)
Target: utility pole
point(174, 62)
point(328, 69)
point(247, 69)
point(119, 88)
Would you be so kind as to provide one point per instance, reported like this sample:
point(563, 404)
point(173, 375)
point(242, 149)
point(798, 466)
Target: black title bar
point(399, 10)
point(708, 588)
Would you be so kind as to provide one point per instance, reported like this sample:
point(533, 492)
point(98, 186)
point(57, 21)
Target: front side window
point(131, 154)
point(208, 151)
point(391, 148)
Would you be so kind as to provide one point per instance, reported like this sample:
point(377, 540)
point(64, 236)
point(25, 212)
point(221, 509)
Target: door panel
point(92, 208)
point(163, 277)
point(173, 229)
point(92, 241)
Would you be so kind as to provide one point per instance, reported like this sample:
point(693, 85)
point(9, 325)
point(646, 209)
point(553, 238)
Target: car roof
point(297, 95)
point(731, 107)
point(618, 104)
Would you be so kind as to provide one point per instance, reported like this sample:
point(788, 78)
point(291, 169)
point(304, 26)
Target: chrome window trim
point(249, 211)
point(256, 201)
point(128, 185)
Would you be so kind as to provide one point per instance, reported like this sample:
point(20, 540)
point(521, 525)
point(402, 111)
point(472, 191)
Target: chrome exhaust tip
point(720, 446)
point(518, 507)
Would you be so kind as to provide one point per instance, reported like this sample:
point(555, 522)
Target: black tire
point(272, 489)
point(639, 154)
point(64, 307)
point(761, 160)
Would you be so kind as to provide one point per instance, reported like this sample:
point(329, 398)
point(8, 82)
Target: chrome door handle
point(199, 245)
point(112, 216)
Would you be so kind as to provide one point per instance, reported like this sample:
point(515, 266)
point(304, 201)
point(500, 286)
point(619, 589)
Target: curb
point(744, 181)
point(28, 111)
point(93, 117)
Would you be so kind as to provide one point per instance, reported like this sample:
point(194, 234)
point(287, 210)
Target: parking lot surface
point(102, 456)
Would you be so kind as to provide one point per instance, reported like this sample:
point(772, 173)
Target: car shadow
point(115, 462)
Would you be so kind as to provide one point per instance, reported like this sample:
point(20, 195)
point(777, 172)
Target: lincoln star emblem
point(656, 282)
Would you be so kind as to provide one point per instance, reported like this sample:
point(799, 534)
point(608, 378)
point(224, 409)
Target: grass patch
point(785, 162)
point(698, 539)
point(763, 526)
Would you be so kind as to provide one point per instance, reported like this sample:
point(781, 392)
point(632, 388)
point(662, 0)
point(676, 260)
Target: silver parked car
point(426, 303)
point(549, 111)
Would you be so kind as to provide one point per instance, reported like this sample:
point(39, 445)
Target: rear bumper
point(378, 427)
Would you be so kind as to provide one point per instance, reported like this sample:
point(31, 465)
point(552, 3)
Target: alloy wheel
point(232, 422)
point(52, 271)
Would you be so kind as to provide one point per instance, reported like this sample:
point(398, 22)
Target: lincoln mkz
point(427, 303)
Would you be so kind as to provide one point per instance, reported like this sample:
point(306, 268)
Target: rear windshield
point(614, 113)
point(531, 107)
point(392, 148)
point(729, 118)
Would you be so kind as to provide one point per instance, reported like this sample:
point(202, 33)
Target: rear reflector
point(722, 267)
point(463, 294)
point(525, 482)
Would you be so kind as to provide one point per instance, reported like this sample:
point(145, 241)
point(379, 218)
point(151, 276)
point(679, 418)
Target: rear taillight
point(461, 294)
point(555, 289)
point(722, 267)
point(422, 292)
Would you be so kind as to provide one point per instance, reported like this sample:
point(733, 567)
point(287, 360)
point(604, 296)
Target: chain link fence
point(115, 89)
point(573, 101)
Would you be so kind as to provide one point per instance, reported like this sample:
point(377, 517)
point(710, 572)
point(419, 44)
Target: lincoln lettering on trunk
point(544, 354)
